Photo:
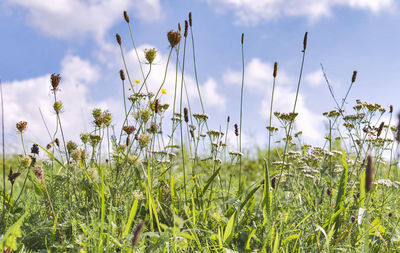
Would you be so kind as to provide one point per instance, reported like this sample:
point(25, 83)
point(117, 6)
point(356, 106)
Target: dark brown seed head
point(118, 37)
point(57, 141)
point(174, 38)
point(55, 81)
point(369, 174)
point(137, 233)
point(128, 129)
point(136, 137)
point(242, 40)
point(128, 140)
point(190, 19)
point(380, 128)
point(179, 27)
point(21, 126)
point(236, 129)
point(275, 69)
point(273, 182)
point(122, 75)
point(126, 17)
point(186, 29)
point(186, 114)
point(391, 108)
point(49, 145)
point(329, 191)
point(353, 219)
point(305, 42)
point(354, 77)
point(228, 119)
point(35, 149)
point(192, 133)
point(157, 106)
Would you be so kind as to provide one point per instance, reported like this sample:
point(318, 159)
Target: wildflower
point(145, 115)
point(85, 138)
point(57, 106)
point(26, 161)
point(55, 81)
point(174, 38)
point(39, 172)
point(137, 194)
point(137, 81)
point(200, 116)
point(92, 172)
point(107, 118)
point(150, 55)
point(163, 91)
point(144, 140)
point(76, 155)
point(96, 113)
point(128, 129)
point(133, 160)
point(21, 126)
point(35, 149)
point(12, 176)
point(94, 140)
point(71, 146)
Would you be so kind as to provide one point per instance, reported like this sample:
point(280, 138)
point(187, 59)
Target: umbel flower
point(174, 38)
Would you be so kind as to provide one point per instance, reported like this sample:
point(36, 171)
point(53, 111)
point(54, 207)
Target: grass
point(133, 188)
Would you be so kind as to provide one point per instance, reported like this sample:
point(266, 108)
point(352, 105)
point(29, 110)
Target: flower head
point(163, 91)
point(137, 81)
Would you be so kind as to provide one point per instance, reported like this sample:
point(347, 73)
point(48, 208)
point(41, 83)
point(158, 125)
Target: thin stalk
point(4, 158)
point(137, 55)
point(241, 118)
point(165, 74)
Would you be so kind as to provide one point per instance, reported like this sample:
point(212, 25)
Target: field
point(163, 181)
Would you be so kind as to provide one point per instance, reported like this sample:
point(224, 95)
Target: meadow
point(133, 187)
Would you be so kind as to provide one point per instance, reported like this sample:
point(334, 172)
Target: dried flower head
point(174, 38)
point(12, 176)
point(35, 149)
point(76, 155)
point(305, 42)
point(71, 146)
point(126, 17)
point(55, 81)
point(144, 140)
point(380, 128)
point(153, 128)
point(57, 142)
point(275, 69)
point(156, 106)
point(137, 233)
point(39, 172)
point(236, 129)
point(122, 75)
point(242, 39)
point(186, 114)
point(369, 174)
point(186, 29)
point(21, 126)
point(128, 129)
point(118, 37)
point(150, 55)
point(354, 77)
point(190, 19)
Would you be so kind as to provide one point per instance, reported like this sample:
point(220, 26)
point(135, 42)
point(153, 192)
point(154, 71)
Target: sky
point(76, 38)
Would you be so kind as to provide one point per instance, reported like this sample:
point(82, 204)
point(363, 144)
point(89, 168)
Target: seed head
point(369, 174)
point(153, 128)
point(242, 40)
point(71, 146)
point(236, 129)
point(39, 172)
point(329, 191)
point(85, 138)
point(174, 38)
point(122, 75)
point(58, 106)
point(228, 119)
point(49, 145)
point(57, 142)
point(275, 69)
point(305, 42)
point(186, 114)
point(190, 19)
point(21, 126)
point(96, 113)
point(128, 129)
point(273, 182)
point(354, 77)
point(137, 233)
point(156, 106)
point(127, 141)
point(378, 133)
point(118, 37)
point(390, 108)
point(107, 118)
point(55, 81)
point(186, 29)
point(76, 155)
point(150, 55)
point(35, 149)
point(94, 140)
point(26, 161)
point(126, 17)
point(144, 140)
point(179, 27)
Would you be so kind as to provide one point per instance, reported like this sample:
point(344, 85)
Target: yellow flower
point(163, 91)
point(137, 81)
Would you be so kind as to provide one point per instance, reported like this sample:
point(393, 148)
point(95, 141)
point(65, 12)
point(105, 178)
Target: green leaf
point(132, 215)
point(209, 181)
point(11, 235)
point(229, 229)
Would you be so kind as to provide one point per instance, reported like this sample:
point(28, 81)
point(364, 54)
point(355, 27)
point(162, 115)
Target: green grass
point(138, 189)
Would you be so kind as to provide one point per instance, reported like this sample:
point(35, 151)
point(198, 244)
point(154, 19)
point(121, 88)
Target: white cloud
point(77, 18)
point(315, 78)
point(258, 75)
point(23, 99)
point(250, 12)
point(259, 78)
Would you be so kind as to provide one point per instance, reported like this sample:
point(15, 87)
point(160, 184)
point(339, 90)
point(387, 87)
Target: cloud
point(259, 78)
point(315, 78)
point(24, 98)
point(251, 12)
point(80, 18)
point(254, 80)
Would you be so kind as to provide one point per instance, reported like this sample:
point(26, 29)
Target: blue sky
point(77, 39)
